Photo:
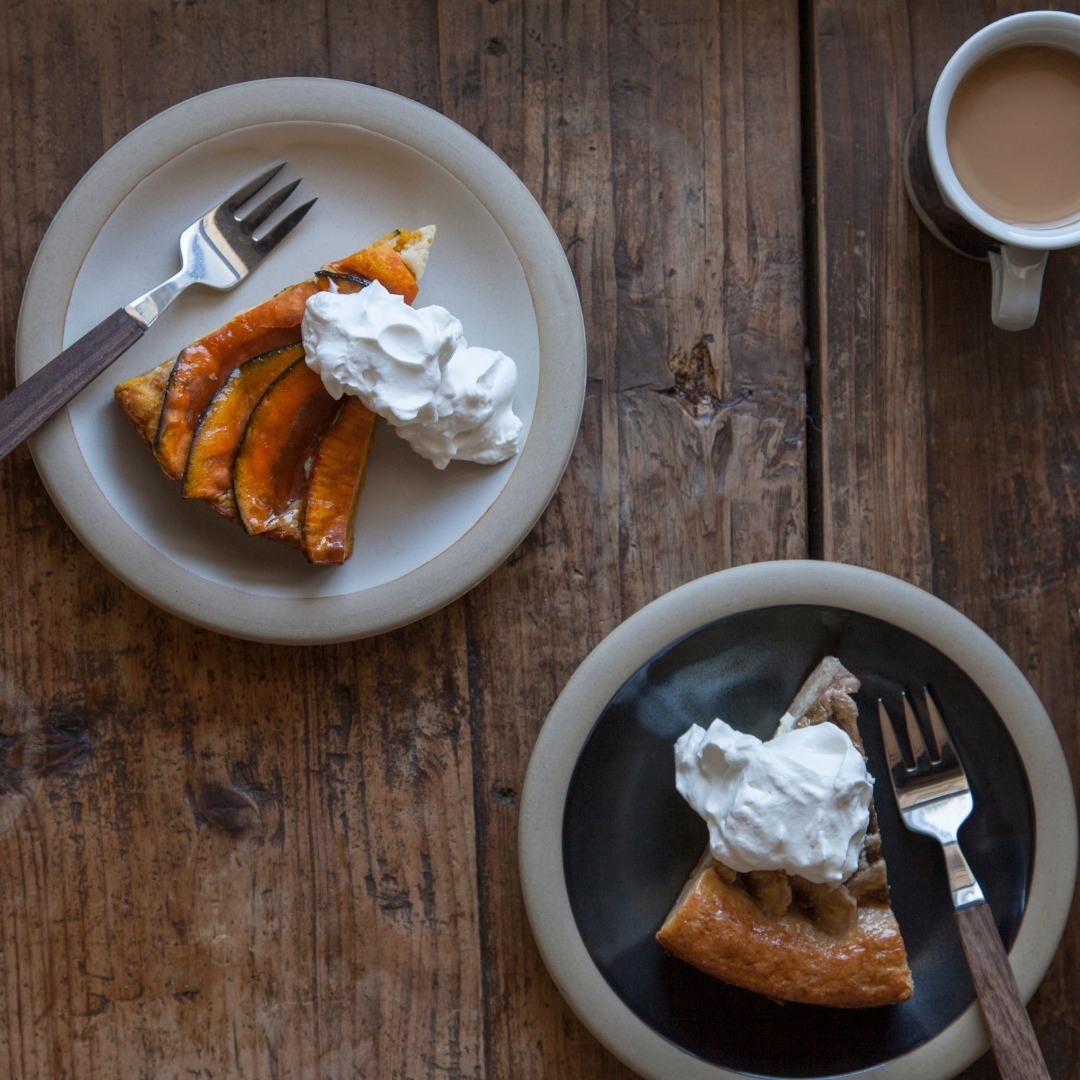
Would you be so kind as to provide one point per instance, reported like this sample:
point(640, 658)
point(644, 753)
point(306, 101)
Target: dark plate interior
point(629, 840)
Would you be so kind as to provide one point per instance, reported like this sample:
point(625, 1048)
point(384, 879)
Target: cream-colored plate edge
point(560, 394)
point(730, 592)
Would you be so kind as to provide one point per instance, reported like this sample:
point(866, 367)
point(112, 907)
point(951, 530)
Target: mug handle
point(1017, 279)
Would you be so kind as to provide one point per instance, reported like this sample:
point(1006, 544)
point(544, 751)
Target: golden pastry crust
point(141, 398)
point(784, 937)
point(718, 927)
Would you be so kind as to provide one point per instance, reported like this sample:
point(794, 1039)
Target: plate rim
point(561, 378)
point(731, 592)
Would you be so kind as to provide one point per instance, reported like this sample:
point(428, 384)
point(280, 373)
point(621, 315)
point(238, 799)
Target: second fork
point(934, 799)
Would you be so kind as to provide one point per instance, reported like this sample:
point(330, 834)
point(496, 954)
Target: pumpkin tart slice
point(242, 392)
point(780, 935)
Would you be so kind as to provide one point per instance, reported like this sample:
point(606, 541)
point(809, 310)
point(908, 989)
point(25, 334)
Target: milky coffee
point(1013, 134)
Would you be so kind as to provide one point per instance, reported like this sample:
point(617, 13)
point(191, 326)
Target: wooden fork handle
point(49, 389)
point(1011, 1035)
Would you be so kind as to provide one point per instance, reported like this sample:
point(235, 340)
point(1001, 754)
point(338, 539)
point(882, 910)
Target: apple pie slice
point(788, 938)
point(242, 422)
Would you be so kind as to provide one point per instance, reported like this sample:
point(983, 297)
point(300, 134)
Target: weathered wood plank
point(535, 91)
point(870, 383)
point(677, 203)
point(217, 857)
point(709, 272)
point(949, 446)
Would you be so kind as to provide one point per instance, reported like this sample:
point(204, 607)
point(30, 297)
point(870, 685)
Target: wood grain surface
point(222, 859)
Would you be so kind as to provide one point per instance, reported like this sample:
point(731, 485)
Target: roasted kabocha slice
point(281, 437)
point(335, 482)
point(209, 471)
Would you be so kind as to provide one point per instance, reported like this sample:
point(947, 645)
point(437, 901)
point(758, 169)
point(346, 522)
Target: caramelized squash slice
point(205, 364)
point(334, 484)
point(282, 434)
point(209, 471)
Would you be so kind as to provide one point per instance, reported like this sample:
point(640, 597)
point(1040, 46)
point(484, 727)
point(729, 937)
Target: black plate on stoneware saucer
point(630, 841)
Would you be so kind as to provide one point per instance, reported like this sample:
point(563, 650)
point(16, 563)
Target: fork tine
point(915, 736)
point(252, 220)
point(283, 228)
point(241, 195)
point(888, 736)
point(946, 753)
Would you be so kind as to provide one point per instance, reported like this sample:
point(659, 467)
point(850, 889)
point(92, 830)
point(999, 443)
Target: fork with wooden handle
point(934, 798)
point(219, 249)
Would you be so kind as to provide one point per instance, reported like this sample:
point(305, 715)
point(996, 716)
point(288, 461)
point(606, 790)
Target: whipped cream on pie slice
point(798, 802)
point(450, 401)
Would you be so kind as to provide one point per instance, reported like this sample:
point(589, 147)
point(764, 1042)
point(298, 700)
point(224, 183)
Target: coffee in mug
point(992, 164)
point(1013, 134)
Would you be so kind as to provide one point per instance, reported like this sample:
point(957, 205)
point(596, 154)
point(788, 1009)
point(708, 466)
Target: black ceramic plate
point(630, 841)
point(606, 842)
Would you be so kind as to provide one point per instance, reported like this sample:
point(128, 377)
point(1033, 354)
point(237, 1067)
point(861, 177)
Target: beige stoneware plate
point(376, 161)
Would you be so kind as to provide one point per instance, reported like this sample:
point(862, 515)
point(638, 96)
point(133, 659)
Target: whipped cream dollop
point(798, 802)
point(413, 367)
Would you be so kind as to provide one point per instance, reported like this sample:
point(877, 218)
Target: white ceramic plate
point(376, 161)
point(606, 842)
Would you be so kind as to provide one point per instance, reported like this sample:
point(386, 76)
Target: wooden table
point(225, 859)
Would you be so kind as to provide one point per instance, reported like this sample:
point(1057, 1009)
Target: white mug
point(1017, 253)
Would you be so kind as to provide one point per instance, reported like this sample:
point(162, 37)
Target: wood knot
point(224, 806)
point(59, 745)
point(504, 794)
point(697, 384)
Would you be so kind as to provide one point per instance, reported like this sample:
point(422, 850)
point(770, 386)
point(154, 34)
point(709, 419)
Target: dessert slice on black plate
point(787, 937)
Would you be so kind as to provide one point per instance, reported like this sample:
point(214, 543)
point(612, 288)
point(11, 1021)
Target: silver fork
point(934, 798)
point(219, 249)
